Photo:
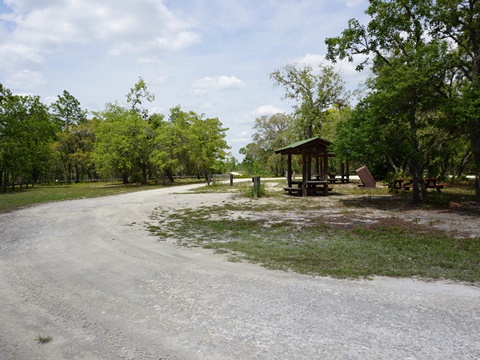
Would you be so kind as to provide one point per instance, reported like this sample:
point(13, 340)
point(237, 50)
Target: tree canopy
point(314, 93)
point(419, 54)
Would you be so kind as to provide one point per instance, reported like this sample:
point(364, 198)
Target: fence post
point(256, 184)
point(208, 179)
point(231, 179)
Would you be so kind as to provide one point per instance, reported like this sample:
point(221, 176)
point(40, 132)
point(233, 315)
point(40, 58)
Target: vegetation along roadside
point(336, 236)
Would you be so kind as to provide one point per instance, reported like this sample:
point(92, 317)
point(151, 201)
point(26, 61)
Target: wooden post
point(231, 179)
point(309, 166)
point(348, 170)
point(304, 173)
point(256, 184)
point(289, 178)
point(325, 164)
point(208, 179)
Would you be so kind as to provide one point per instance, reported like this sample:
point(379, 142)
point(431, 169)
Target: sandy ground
point(88, 275)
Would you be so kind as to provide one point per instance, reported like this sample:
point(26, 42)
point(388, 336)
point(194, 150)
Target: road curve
point(87, 274)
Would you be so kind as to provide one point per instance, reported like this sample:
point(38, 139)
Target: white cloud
point(313, 60)
point(219, 83)
point(19, 55)
point(242, 138)
point(122, 26)
point(267, 110)
point(25, 79)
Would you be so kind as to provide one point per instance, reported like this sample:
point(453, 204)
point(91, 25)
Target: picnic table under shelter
point(315, 179)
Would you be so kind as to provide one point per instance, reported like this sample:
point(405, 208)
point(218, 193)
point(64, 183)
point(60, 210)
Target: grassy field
point(391, 247)
point(13, 200)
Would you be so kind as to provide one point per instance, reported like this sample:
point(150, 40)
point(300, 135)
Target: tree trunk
point(144, 174)
point(169, 175)
point(125, 177)
point(463, 163)
point(5, 182)
point(474, 125)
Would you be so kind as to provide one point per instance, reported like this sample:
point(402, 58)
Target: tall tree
point(189, 144)
point(138, 95)
point(314, 92)
point(68, 112)
point(459, 22)
point(409, 72)
point(122, 143)
point(26, 131)
point(272, 133)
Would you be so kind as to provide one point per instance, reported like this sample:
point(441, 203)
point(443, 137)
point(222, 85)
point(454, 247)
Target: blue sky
point(210, 56)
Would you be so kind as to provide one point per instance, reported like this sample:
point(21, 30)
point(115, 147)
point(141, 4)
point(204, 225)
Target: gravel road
point(87, 274)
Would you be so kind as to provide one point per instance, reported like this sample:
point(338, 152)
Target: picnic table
point(407, 184)
point(312, 187)
point(332, 178)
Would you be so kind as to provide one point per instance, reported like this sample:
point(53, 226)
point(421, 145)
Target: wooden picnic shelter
point(315, 178)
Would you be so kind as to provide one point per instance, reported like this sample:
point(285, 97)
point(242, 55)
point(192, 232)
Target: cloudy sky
point(210, 56)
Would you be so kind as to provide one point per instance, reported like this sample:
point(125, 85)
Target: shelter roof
point(314, 145)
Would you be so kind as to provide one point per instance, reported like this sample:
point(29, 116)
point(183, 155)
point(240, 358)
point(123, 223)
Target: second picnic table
point(407, 184)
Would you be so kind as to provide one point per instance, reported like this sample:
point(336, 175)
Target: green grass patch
point(320, 249)
point(13, 200)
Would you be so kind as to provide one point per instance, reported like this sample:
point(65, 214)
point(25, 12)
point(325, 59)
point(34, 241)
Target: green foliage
point(271, 133)
point(313, 92)
point(122, 142)
point(118, 142)
point(189, 144)
point(137, 95)
point(67, 112)
point(416, 76)
point(26, 131)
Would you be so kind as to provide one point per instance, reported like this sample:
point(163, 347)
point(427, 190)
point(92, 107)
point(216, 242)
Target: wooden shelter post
point(325, 166)
point(289, 169)
point(304, 173)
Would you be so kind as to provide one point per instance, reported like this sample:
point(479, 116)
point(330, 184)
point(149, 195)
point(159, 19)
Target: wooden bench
point(297, 190)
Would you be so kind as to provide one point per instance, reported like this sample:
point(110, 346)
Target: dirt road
point(87, 274)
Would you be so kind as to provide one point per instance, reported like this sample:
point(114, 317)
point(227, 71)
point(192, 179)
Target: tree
point(137, 95)
point(272, 133)
point(459, 22)
point(313, 92)
point(208, 145)
point(67, 111)
point(253, 156)
point(26, 132)
point(122, 144)
point(409, 72)
point(74, 151)
point(189, 144)
point(68, 115)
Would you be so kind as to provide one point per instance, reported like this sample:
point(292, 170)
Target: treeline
point(40, 143)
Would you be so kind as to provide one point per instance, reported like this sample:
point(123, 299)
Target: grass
point(391, 247)
point(13, 200)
